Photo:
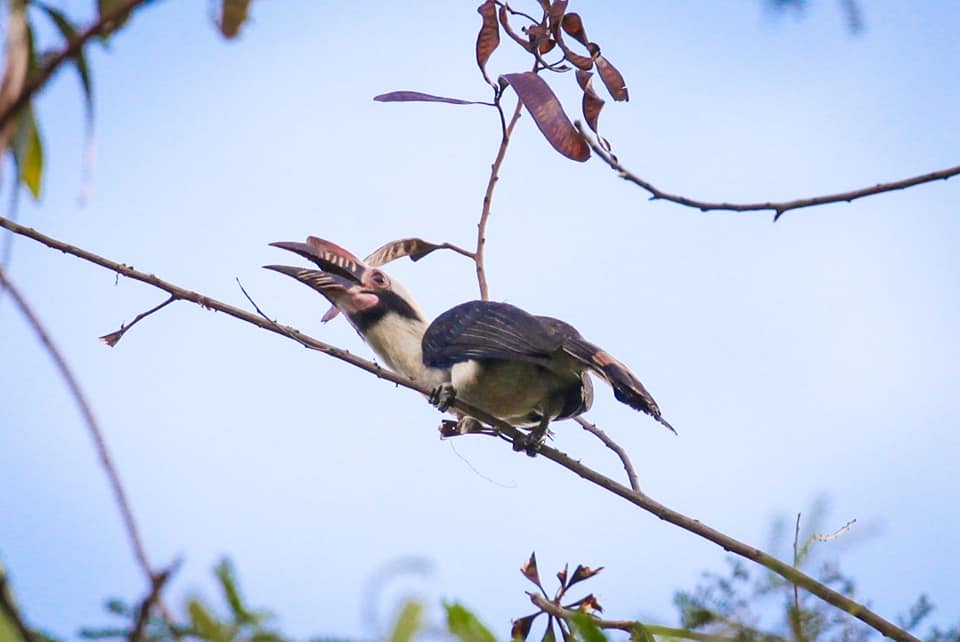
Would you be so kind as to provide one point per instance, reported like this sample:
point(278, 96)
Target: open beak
point(339, 279)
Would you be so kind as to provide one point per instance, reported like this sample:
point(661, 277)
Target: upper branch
point(636, 498)
point(73, 46)
point(778, 207)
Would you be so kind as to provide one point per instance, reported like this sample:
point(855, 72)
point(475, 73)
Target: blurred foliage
point(754, 604)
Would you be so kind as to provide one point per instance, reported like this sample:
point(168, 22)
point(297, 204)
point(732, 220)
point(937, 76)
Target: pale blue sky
point(815, 356)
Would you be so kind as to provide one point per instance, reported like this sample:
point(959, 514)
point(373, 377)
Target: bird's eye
point(378, 278)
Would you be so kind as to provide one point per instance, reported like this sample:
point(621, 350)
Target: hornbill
point(524, 369)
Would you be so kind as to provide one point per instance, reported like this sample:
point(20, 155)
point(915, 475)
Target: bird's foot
point(532, 442)
point(443, 396)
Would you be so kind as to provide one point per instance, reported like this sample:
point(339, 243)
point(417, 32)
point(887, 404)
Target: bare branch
point(488, 198)
point(42, 75)
point(615, 447)
point(777, 207)
point(636, 498)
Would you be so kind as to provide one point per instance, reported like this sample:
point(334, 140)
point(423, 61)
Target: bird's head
point(363, 292)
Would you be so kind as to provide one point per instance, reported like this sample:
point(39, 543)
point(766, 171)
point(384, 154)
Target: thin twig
point(93, 427)
point(835, 534)
point(633, 626)
point(777, 207)
point(505, 430)
point(40, 77)
point(488, 197)
point(615, 447)
point(112, 338)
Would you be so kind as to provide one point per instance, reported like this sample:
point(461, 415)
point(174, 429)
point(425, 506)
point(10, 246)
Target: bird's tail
point(626, 387)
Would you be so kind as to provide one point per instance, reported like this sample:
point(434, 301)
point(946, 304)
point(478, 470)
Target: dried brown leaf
point(549, 116)
point(612, 79)
point(415, 248)
point(521, 628)
point(582, 573)
point(573, 25)
point(416, 96)
point(529, 570)
point(505, 23)
point(562, 576)
point(555, 13)
point(489, 37)
point(589, 604)
point(591, 103)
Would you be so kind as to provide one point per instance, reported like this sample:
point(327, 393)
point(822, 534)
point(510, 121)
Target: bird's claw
point(443, 397)
point(531, 443)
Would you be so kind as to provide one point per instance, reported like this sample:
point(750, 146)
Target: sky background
point(817, 357)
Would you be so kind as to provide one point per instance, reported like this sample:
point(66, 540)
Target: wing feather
point(488, 330)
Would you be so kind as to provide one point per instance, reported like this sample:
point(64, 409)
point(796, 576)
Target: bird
point(524, 369)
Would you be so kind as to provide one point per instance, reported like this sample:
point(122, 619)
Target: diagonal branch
point(636, 498)
point(42, 75)
point(777, 207)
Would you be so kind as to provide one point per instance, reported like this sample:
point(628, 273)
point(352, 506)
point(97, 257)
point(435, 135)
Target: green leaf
point(68, 30)
point(28, 152)
point(586, 627)
point(465, 625)
point(206, 625)
point(228, 582)
point(408, 623)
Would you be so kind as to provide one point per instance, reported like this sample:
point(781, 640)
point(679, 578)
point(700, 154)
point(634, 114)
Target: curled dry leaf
point(589, 604)
point(549, 116)
point(612, 79)
point(582, 573)
point(489, 37)
point(529, 570)
point(416, 96)
point(555, 13)
point(592, 103)
point(562, 576)
point(415, 248)
point(573, 25)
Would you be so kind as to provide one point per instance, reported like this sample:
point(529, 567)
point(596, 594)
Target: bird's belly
point(519, 393)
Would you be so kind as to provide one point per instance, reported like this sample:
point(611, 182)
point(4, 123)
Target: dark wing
point(626, 387)
point(488, 330)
